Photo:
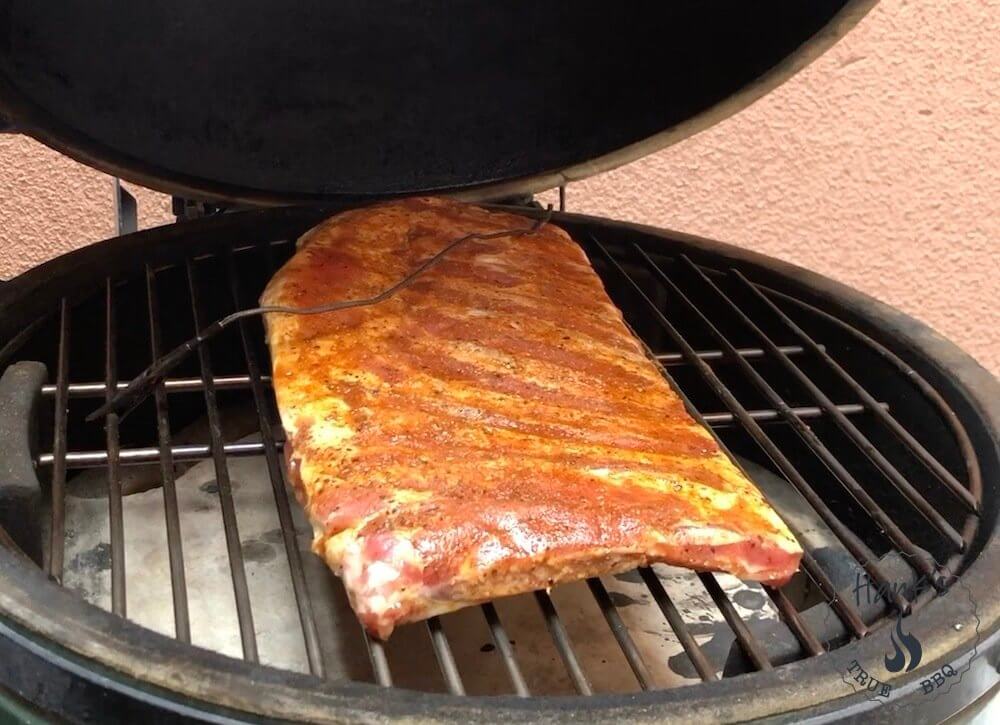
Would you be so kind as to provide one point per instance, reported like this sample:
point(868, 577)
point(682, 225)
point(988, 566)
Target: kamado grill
point(154, 566)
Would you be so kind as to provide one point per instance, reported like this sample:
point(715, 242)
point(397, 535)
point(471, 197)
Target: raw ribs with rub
point(494, 427)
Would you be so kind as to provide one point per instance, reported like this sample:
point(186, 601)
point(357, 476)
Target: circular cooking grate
point(178, 517)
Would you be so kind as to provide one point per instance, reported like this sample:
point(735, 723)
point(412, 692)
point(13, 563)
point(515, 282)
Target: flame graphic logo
point(897, 662)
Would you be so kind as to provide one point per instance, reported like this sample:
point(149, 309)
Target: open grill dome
point(267, 103)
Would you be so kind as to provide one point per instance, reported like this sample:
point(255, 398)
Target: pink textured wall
point(878, 165)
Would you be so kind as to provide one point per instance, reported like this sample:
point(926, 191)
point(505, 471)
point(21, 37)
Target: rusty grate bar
point(915, 555)
point(943, 475)
point(847, 537)
point(244, 613)
point(171, 512)
point(751, 646)
point(850, 430)
point(794, 620)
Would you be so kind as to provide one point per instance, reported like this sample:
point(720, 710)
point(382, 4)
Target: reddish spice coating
point(492, 428)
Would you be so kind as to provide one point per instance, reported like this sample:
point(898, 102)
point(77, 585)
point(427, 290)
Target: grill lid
point(272, 102)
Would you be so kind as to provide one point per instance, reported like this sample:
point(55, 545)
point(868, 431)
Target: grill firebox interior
point(868, 464)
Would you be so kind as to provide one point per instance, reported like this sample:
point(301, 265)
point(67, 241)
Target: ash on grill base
point(937, 462)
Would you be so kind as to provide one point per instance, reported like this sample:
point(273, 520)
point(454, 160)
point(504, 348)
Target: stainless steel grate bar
point(379, 660)
point(505, 648)
point(231, 382)
point(621, 633)
point(748, 353)
point(244, 613)
point(57, 532)
point(116, 517)
point(794, 621)
point(560, 637)
point(445, 658)
point(236, 249)
point(172, 385)
point(375, 648)
point(171, 512)
point(847, 612)
point(262, 403)
point(198, 451)
point(805, 411)
point(377, 656)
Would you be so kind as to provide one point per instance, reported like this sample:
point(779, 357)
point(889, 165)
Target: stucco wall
point(878, 165)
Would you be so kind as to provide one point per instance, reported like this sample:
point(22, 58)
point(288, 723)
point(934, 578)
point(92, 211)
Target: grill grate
point(178, 583)
point(718, 351)
point(262, 404)
point(115, 513)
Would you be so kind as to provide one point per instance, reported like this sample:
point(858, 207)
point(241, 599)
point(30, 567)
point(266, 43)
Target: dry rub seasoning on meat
point(494, 427)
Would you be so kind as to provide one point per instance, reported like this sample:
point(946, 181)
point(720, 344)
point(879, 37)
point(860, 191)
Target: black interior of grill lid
point(274, 101)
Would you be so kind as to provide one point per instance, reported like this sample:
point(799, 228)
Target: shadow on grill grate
point(179, 516)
